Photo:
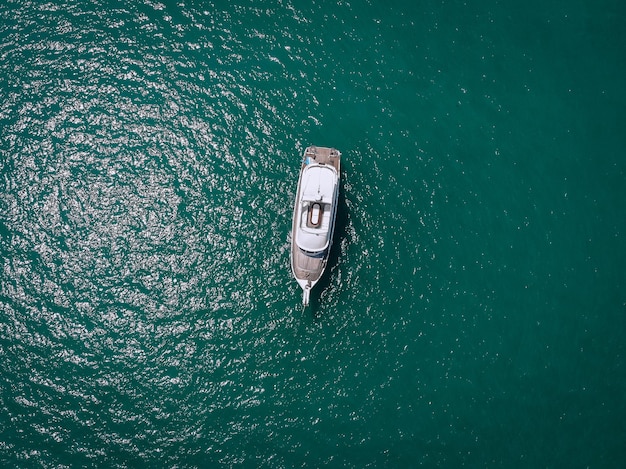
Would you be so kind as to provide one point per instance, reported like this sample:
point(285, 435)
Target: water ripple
point(147, 311)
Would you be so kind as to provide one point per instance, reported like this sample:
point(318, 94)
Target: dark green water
point(474, 309)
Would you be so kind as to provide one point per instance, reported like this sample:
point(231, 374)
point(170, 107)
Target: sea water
point(473, 310)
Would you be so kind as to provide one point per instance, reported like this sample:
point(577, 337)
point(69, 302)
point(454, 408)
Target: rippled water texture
point(473, 309)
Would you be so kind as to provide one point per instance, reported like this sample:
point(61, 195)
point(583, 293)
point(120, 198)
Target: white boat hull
point(314, 215)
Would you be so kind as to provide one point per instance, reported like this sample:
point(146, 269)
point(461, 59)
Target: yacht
point(314, 214)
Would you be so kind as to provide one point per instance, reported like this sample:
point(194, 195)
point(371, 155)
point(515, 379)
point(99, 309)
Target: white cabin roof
point(318, 183)
point(318, 186)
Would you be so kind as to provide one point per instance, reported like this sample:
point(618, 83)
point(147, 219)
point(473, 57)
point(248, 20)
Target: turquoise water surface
point(473, 312)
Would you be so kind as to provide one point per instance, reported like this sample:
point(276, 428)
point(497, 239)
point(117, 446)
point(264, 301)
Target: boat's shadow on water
point(341, 224)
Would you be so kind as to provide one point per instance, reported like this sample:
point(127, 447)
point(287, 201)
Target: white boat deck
point(305, 268)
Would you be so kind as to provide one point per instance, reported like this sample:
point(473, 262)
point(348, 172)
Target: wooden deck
point(304, 267)
point(323, 155)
